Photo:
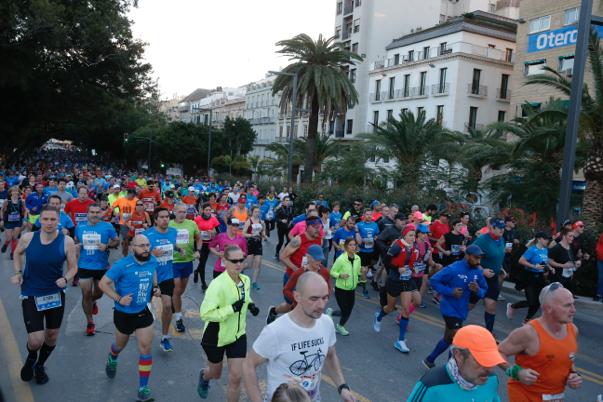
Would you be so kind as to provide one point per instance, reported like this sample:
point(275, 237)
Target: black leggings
point(282, 230)
point(345, 301)
point(533, 286)
point(203, 255)
point(269, 227)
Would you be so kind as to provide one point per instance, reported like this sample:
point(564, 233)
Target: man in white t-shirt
point(297, 345)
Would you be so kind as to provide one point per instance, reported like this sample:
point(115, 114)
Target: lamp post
point(293, 112)
point(200, 109)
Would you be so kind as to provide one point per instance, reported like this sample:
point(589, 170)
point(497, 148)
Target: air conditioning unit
point(569, 72)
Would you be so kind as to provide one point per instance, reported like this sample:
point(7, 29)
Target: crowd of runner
point(165, 229)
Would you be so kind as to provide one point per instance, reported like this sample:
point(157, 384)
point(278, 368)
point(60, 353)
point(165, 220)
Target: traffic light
point(125, 137)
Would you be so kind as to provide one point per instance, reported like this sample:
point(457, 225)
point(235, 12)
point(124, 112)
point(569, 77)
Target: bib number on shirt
point(14, 217)
point(368, 242)
point(553, 397)
point(182, 236)
point(81, 217)
point(168, 253)
point(419, 268)
point(205, 235)
point(138, 231)
point(91, 241)
point(455, 249)
point(406, 274)
point(44, 303)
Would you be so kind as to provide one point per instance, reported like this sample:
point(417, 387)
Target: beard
point(144, 256)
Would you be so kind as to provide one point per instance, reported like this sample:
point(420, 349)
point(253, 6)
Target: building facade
point(262, 111)
point(366, 26)
point(457, 72)
point(546, 36)
point(231, 109)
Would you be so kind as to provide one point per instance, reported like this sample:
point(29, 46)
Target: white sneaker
point(376, 323)
point(401, 346)
point(510, 311)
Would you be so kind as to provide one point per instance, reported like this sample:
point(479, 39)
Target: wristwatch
point(342, 387)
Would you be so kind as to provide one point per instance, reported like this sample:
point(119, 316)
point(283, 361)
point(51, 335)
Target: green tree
point(325, 147)
point(323, 83)
point(348, 166)
point(281, 154)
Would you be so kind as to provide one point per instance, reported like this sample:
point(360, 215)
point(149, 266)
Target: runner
point(284, 215)
point(254, 231)
point(139, 221)
point(400, 261)
point(65, 195)
point(346, 271)
point(535, 264)
point(348, 230)
point(544, 350)
point(231, 237)
point(43, 285)
point(78, 207)
point(366, 231)
point(13, 214)
point(93, 240)
point(188, 240)
point(126, 207)
point(131, 282)
point(163, 245)
point(468, 376)
point(34, 204)
point(298, 345)
point(240, 211)
point(294, 252)
point(456, 283)
point(268, 212)
point(324, 213)
point(224, 311)
point(563, 260)
point(425, 266)
point(150, 197)
point(452, 244)
point(207, 224)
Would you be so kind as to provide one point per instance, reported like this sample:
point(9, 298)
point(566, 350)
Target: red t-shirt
point(438, 229)
point(297, 257)
point(206, 226)
point(149, 199)
point(292, 282)
point(78, 210)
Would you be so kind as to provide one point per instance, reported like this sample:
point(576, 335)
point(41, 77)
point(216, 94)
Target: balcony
point(262, 120)
point(348, 7)
point(419, 92)
point(440, 89)
point(477, 91)
point(503, 95)
point(473, 126)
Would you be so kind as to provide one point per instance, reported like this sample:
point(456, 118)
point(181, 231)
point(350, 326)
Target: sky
point(209, 43)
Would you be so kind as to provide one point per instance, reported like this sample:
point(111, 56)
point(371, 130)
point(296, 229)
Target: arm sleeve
point(288, 289)
point(266, 344)
point(439, 282)
point(483, 286)
point(210, 308)
point(68, 222)
point(114, 273)
point(336, 268)
point(419, 393)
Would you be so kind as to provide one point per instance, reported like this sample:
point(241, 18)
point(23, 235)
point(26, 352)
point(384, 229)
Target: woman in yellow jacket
point(224, 310)
point(346, 270)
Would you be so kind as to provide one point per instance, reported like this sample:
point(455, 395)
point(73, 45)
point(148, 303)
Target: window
point(338, 32)
point(420, 109)
point(356, 25)
point(390, 114)
point(475, 81)
point(570, 16)
point(411, 55)
point(349, 126)
point(534, 67)
point(331, 126)
point(392, 84)
point(472, 117)
point(404, 110)
point(492, 8)
point(443, 48)
point(353, 75)
point(339, 7)
point(396, 59)
point(442, 18)
point(504, 86)
point(426, 52)
point(539, 24)
point(378, 90)
point(406, 86)
point(442, 82)
point(358, 3)
point(440, 114)
point(305, 130)
point(491, 46)
point(355, 47)
point(422, 80)
point(509, 55)
point(375, 119)
point(566, 64)
point(280, 131)
point(501, 116)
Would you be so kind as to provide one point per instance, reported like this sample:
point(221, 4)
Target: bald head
point(141, 246)
point(139, 239)
point(557, 304)
point(310, 281)
point(311, 294)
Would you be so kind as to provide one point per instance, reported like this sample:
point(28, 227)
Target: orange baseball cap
point(417, 215)
point(480, 343)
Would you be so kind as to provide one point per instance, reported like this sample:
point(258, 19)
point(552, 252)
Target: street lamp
point(200, 109)
point(293, 112)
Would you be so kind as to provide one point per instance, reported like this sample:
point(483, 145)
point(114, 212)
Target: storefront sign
point(556, 38)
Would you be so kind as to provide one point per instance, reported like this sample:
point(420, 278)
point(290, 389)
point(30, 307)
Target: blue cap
point(497, 223)
point(315, 251)
point(375, 203)
point(474, 250)
point(422, 228)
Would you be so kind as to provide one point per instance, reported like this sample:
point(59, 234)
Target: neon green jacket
point(217, 307)
point(342, 265)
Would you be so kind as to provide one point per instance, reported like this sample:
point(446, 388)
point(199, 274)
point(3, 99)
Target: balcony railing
point(478, 91)
point(348, 7)
point(440, 89)
point(262, 120)
point(346, 34)
point(474, 126)
point(503, 95)
point(419, 92)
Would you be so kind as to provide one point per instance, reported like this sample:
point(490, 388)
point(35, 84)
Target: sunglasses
point(554, 286)
point(236, 261)
point(356, 204)
point(140, 205)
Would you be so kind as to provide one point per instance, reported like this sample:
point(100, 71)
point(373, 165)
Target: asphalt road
point(372, 367)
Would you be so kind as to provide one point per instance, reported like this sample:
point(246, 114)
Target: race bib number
point(368, 242)
point(81, 217)
point(567, 272)
point(126, 216)
point(138, 231)
point(205, 235)
point(14, 217)
point(168, 253)
point(91, 241)
point(256, 228)
point(553, 397)
point(44, 303)
point(419, 268)
point(149, 205)
point(455, 249)
point(406, 273)
point(269, 215)
point(182, 236)
point(509, 245)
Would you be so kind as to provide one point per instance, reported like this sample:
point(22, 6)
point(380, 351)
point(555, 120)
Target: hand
point(125, 300)
point(458, 293)
point(253, 309)
point(238, 305)
point(196, 255)
point(488, 273)
point(156, 291)
point(102, 247)
point(344, 276)
point(17, 279)
point(158, 252)
point(574, 380)
point(447, 252)
point(474, 287)
point(61, 282)
point(347, 396)
point(528, 376)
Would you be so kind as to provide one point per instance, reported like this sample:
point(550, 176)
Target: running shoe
point(195, 276)
point(165, 345)
point(110, 367)
point(376, 323)
point(341, 330)
point(510, 311)
point(180, 326)
point(90, 329)
point(204, 287)
point(275, 257)
point(428, 365)
point(202, 386)
point(435, 300)
point(4, 247)
point(144, 395)
point(40, 374)
point(94, 309)
point(365, 294)
point(271, 315)
point(401, 346)
point(27, 371)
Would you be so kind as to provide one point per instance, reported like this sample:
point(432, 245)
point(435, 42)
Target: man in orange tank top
point(544, 351)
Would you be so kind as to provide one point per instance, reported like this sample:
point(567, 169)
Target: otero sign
point(556, 38)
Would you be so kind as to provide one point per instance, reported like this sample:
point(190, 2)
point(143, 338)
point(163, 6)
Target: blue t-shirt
point(166, 242)
point(339, 238)
point(90, 237)
point(368, 232)
point(133, 278)
point(494, 252)
point(64, 222)
point(335, 218)
point(537, 256)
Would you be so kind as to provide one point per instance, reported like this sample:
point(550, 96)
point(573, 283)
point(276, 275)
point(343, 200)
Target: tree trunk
point(592, 204)
point(311, 142)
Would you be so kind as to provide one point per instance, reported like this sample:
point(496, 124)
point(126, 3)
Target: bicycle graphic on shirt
point(299, 367)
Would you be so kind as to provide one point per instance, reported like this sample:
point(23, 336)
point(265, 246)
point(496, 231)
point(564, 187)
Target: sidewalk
point(582, 300)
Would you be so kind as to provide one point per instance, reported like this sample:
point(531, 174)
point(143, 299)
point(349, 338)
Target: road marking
point(21, 390)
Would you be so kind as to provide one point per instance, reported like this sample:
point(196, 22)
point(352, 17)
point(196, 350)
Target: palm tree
point(591, 127)
point(409, 141)
point(323, 83)
point(281, 152)
point(325, 147)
